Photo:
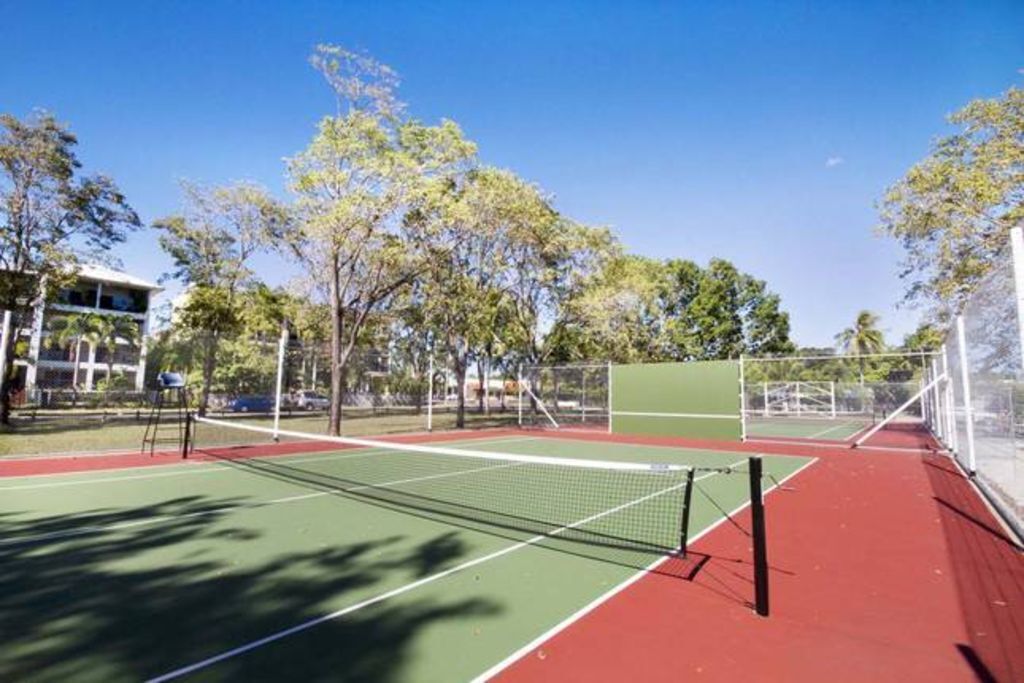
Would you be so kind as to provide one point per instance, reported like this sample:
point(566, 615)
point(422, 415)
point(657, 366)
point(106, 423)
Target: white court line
point(83, 531)
point(306, 625)
point(590, 607)
point(710, 416)
point(208, 466)
point(823, 432)
point(842, 445)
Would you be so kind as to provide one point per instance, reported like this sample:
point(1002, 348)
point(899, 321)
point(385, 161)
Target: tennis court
point(316, 560)
point(839, 428)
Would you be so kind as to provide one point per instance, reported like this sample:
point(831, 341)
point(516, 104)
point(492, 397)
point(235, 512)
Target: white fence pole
point(1017, 252)
point(965, 378)
point(282, 343)
point(610, 413)
point(583, 399)
point(935, 414)
point(950, 403)
point(743, 402)
point(430, 390)
point(832, 397)
point(519, 386)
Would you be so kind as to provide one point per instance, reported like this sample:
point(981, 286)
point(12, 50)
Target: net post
point(282, 343)
point(430, 389)
point(961, 336)
point(684, 522)
point(186, 441)
point(759, 537)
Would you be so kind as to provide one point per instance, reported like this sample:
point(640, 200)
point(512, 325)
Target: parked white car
point(310, 400)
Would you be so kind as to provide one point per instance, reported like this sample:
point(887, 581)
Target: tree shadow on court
point(131, 600)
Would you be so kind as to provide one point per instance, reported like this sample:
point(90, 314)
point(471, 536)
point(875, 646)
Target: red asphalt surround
point(886, 566)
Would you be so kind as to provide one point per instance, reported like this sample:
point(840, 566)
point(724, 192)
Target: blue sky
point(763, 133)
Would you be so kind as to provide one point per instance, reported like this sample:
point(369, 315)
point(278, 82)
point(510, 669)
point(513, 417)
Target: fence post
point(430, 390)
point(965, 378)
point(950, 401)
point(583, 400)
point(935, 413)
point(282, 342)
point(610, 403)
point(519, 387)
point(743, 403)
point(1017, 252)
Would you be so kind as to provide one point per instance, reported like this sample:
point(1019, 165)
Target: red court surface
point(885, 567)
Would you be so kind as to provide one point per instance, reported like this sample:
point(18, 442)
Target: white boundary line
point(306, 625)
point(702, 416)
point(844, 445)
point(586, 609)
point(180, 466)
point(818, 435)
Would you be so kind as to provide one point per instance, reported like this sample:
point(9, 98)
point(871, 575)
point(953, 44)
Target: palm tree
point(108, 331)
point(861, 339)
point(71, 330)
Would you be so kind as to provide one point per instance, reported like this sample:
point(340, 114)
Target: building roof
point(107, 275)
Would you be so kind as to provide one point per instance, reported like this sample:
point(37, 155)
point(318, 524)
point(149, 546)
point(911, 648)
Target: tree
point(211, 243)
point(925, 338)
point(108, 331)
point(72, 331)
point(717, 313)
point(51, 218)
point(615, 316)
point(953, 210)
point(353, 184)
point(638, 309)
point(862, 338)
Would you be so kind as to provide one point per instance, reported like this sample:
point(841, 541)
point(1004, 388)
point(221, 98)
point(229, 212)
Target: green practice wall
point(706, 392)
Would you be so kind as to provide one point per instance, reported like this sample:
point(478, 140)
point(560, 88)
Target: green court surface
point(274, 564)
point(829, 429)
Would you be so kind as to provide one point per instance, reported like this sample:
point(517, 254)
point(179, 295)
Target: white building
point(98, 290)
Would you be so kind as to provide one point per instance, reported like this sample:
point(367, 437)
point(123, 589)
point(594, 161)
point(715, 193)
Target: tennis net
point(617, 505)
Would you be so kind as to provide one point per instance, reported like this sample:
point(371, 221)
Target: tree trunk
point(337, 385)
point(209, 364)
point(480, 392)
point(460, 384)
point(7, 378)
point(78, 362)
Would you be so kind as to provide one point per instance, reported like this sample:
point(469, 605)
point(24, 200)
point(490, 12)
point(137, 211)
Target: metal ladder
point(171, 396)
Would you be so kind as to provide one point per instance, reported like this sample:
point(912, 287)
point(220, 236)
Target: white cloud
point(832, 162)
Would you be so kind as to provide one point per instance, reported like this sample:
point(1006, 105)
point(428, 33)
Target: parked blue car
point(251, 404)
